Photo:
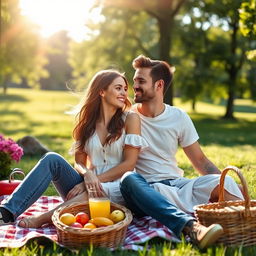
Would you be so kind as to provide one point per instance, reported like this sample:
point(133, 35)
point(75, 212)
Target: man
point(165, 127)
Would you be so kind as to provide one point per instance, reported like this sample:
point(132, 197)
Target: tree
point(228, 20)
point(21, 55)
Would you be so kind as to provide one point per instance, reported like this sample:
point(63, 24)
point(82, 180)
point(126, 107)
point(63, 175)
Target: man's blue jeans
point(51, 167)
point(143, 200)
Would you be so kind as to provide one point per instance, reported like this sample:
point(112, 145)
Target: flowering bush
point(9, 151)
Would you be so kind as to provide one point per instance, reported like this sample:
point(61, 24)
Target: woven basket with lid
point(109, 237)
point(238, 218)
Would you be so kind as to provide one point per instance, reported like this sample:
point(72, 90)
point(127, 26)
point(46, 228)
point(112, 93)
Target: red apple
point(77, 225)
point(82, 218)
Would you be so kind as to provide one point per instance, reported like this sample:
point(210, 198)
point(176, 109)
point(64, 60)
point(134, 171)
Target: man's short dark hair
point(159, 69)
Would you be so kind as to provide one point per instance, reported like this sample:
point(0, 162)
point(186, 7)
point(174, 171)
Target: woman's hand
point(92, 182)
point(76, 190)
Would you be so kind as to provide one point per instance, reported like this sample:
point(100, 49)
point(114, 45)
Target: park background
point(46, 62)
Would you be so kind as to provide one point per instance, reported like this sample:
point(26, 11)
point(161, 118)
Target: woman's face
point(116, 93)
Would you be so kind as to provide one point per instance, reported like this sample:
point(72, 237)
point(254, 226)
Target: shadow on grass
point(11, 112)
point(238, 108)
point(214, 130)
point(8, 127)
point(245, 109)
point(12, 98)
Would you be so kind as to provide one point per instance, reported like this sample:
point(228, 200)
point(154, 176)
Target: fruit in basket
point(67, 218)
point(101, 221)
point(82, 218)
point(117, 215)
point(90, 226)
point(76, 225)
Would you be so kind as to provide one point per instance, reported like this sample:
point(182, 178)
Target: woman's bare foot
point(36, 221)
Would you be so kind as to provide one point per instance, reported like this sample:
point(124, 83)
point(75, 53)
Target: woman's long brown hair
point(90, 110)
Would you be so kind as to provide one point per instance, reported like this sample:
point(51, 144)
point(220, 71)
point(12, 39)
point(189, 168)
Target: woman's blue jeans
point(143, 200)
point(51, 168)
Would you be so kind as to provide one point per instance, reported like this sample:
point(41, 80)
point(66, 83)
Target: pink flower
point(2, 145)
point(11, 148)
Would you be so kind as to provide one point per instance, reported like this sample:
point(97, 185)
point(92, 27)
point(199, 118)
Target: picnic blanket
point(139, 231)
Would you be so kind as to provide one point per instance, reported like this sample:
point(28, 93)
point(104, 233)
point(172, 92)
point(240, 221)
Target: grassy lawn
point(42, 114)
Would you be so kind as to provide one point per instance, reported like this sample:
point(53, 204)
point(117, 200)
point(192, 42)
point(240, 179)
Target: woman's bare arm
point(130, 154)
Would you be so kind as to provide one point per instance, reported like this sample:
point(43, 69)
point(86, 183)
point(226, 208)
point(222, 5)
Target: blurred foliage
point(195, 59)
point(58, 67)
point(247, 14)
point(22, 56)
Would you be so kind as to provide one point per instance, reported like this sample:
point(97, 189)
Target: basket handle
point(243, 181)
point(16, 170)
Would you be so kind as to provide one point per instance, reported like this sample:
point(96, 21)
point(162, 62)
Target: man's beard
point(143, 97)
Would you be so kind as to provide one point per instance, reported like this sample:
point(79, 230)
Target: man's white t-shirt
point(164, 133)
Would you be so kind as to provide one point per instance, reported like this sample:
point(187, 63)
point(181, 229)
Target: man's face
point(143, 85)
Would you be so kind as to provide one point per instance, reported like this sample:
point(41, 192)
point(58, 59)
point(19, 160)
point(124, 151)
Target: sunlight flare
point(56, 15)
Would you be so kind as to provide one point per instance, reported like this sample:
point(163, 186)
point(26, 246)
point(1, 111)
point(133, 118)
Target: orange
point(67, 218)
point(90, 225)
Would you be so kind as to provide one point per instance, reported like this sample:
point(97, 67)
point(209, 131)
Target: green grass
point(42, 114)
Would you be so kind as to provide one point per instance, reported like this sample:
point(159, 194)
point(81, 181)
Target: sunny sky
point(56, 15)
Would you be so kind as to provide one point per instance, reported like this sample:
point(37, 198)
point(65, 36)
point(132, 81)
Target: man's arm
point(199, 160)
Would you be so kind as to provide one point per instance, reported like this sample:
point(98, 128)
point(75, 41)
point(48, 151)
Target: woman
point(107, 145)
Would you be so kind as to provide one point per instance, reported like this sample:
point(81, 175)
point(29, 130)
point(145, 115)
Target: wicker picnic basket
point(238, 218)
point(109, 237)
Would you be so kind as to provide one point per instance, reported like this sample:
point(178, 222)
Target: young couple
point(130, 155)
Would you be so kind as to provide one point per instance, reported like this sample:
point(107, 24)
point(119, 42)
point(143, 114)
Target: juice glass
point(99, 207)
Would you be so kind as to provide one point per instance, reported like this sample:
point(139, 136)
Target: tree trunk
point(165, 27)
point(4, 83)
point(193, 104)
point(230, 103)
point(4, 90)
point(232, 70)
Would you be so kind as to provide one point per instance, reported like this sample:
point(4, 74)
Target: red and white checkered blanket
point(139, 231)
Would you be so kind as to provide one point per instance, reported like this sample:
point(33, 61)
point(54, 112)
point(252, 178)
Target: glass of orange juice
point(99, 207)
point(99, 203)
